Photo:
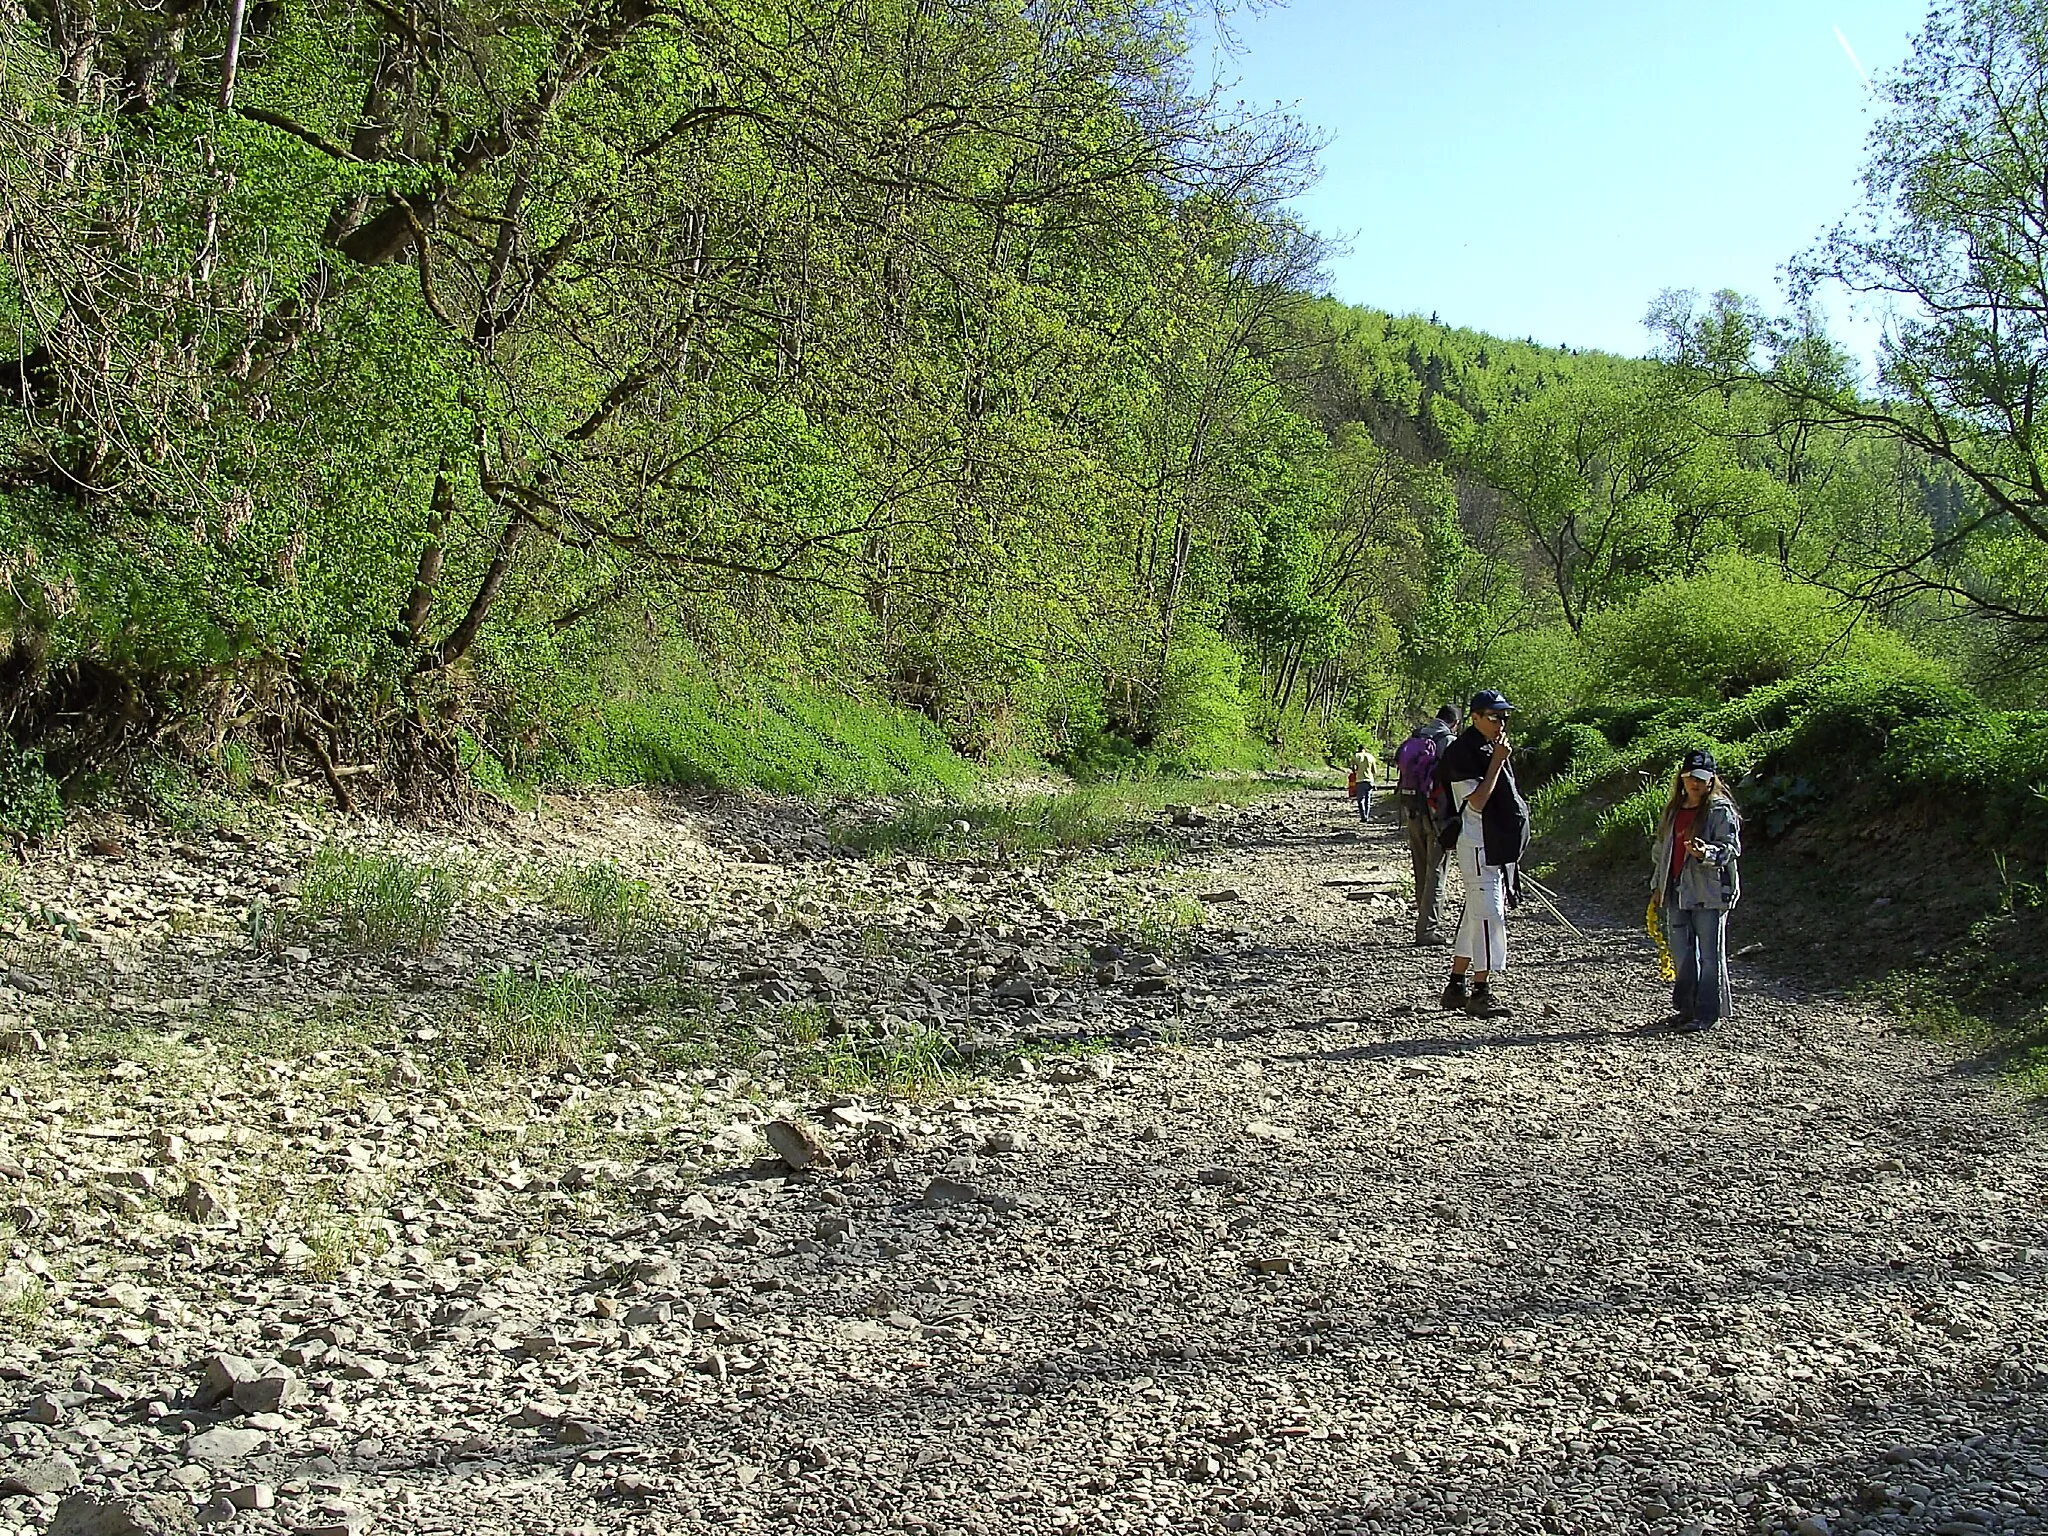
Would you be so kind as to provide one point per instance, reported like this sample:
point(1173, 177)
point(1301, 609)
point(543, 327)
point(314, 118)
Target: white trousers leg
point(1483, 931)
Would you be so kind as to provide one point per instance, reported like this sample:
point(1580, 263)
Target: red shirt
point(1681, 835)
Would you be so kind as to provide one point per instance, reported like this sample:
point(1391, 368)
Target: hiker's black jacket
point(1505, 817)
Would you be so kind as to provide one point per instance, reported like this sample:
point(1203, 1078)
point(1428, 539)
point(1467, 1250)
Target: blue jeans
point(1364, 801)
point(1699, 948)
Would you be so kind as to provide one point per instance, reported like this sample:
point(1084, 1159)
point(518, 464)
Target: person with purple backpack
point(1415, 788)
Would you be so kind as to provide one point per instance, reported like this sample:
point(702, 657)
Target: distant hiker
point(1415, 786)
point(1491, 829)
point(1365, 772)
point(1695, 878)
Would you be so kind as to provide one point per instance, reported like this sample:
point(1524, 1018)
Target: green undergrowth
point(1792, 749)
point(664, 724)
point(1895, 827)
point(1984, 993)
point(30, 806)
point(1125, 815)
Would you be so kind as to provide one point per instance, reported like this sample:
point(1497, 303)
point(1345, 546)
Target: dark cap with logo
point(1488, 701)
point(1699, 762)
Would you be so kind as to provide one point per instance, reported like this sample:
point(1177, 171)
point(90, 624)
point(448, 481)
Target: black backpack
point(1445, 809)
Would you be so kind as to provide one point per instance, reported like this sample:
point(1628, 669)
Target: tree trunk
point(421, 602)
point(463, 636)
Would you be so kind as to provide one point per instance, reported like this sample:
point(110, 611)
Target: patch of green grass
point(1145, 914)
point(1985, 993)
point(341, 1244)
point(1169, 924)
point(619, 908)
point(880, 941)
point(679, 1030)
point(915, 1063)
point(528, 1022)
point(632, 712)
point(368, 903)
point(31, 1303)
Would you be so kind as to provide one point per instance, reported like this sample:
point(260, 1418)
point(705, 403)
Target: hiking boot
point(1455, 995)
point(1429, 938)
point(1694, 1026)
point(1482, 1004)
point(1673, 1020)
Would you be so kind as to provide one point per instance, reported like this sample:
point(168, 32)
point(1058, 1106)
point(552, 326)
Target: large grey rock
point(797, 1144)
point(54, 1473)
point(219, 1377)
point(86, 1514)
point(225, 1443)
point(207, 1206)
point(272, 1392)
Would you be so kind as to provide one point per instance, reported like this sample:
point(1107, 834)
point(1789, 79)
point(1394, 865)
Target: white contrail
point(1860, 70)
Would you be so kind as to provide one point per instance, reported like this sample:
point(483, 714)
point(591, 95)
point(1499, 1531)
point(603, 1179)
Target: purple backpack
point(1415, 763)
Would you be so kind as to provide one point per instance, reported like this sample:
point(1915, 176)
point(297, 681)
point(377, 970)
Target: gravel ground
point(1296, 1253)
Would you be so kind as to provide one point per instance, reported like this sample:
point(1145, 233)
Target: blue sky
point(1544, 167)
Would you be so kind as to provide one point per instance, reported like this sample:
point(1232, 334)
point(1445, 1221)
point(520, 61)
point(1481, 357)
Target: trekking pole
point(1550, 906)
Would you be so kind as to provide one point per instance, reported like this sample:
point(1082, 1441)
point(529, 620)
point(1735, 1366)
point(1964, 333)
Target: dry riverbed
point(1149, 1190)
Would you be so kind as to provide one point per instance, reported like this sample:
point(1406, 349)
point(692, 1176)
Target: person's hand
point(1501, 745)
point(1697, 848)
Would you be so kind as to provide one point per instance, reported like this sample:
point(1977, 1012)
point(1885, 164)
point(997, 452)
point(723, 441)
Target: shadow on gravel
point(1460, 1045)
point(1960, 1456)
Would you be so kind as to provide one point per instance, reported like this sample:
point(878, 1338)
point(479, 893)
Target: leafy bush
point(29, 803)
point(1199, 721)
point(1736, 626)
point(168, 790)
point(1347, 736)
point(1793, 746)
point(1096, 754)
point(1543, 671)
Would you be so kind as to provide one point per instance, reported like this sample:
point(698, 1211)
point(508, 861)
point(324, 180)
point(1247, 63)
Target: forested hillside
point(415, 394)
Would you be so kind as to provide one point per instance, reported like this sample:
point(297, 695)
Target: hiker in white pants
point(1483, 933)
point(1493, 833)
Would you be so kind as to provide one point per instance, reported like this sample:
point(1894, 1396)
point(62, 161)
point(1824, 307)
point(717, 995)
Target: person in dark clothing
point(1414, 770)
point(1493, 833)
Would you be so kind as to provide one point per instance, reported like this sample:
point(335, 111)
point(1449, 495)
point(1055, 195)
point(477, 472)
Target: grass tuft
point(527, 1021)
point(30, 1303)
point(368, 903)
point(920, 1062)
point(619, 908)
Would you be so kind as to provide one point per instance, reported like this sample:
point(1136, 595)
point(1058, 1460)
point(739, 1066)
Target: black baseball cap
point(1491, 701)
point(1699, 762)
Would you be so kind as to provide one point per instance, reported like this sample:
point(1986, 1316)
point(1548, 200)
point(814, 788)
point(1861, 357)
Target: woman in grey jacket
point(1696, 877)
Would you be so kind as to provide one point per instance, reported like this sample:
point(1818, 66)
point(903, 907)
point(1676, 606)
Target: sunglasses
point(1487, 714)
